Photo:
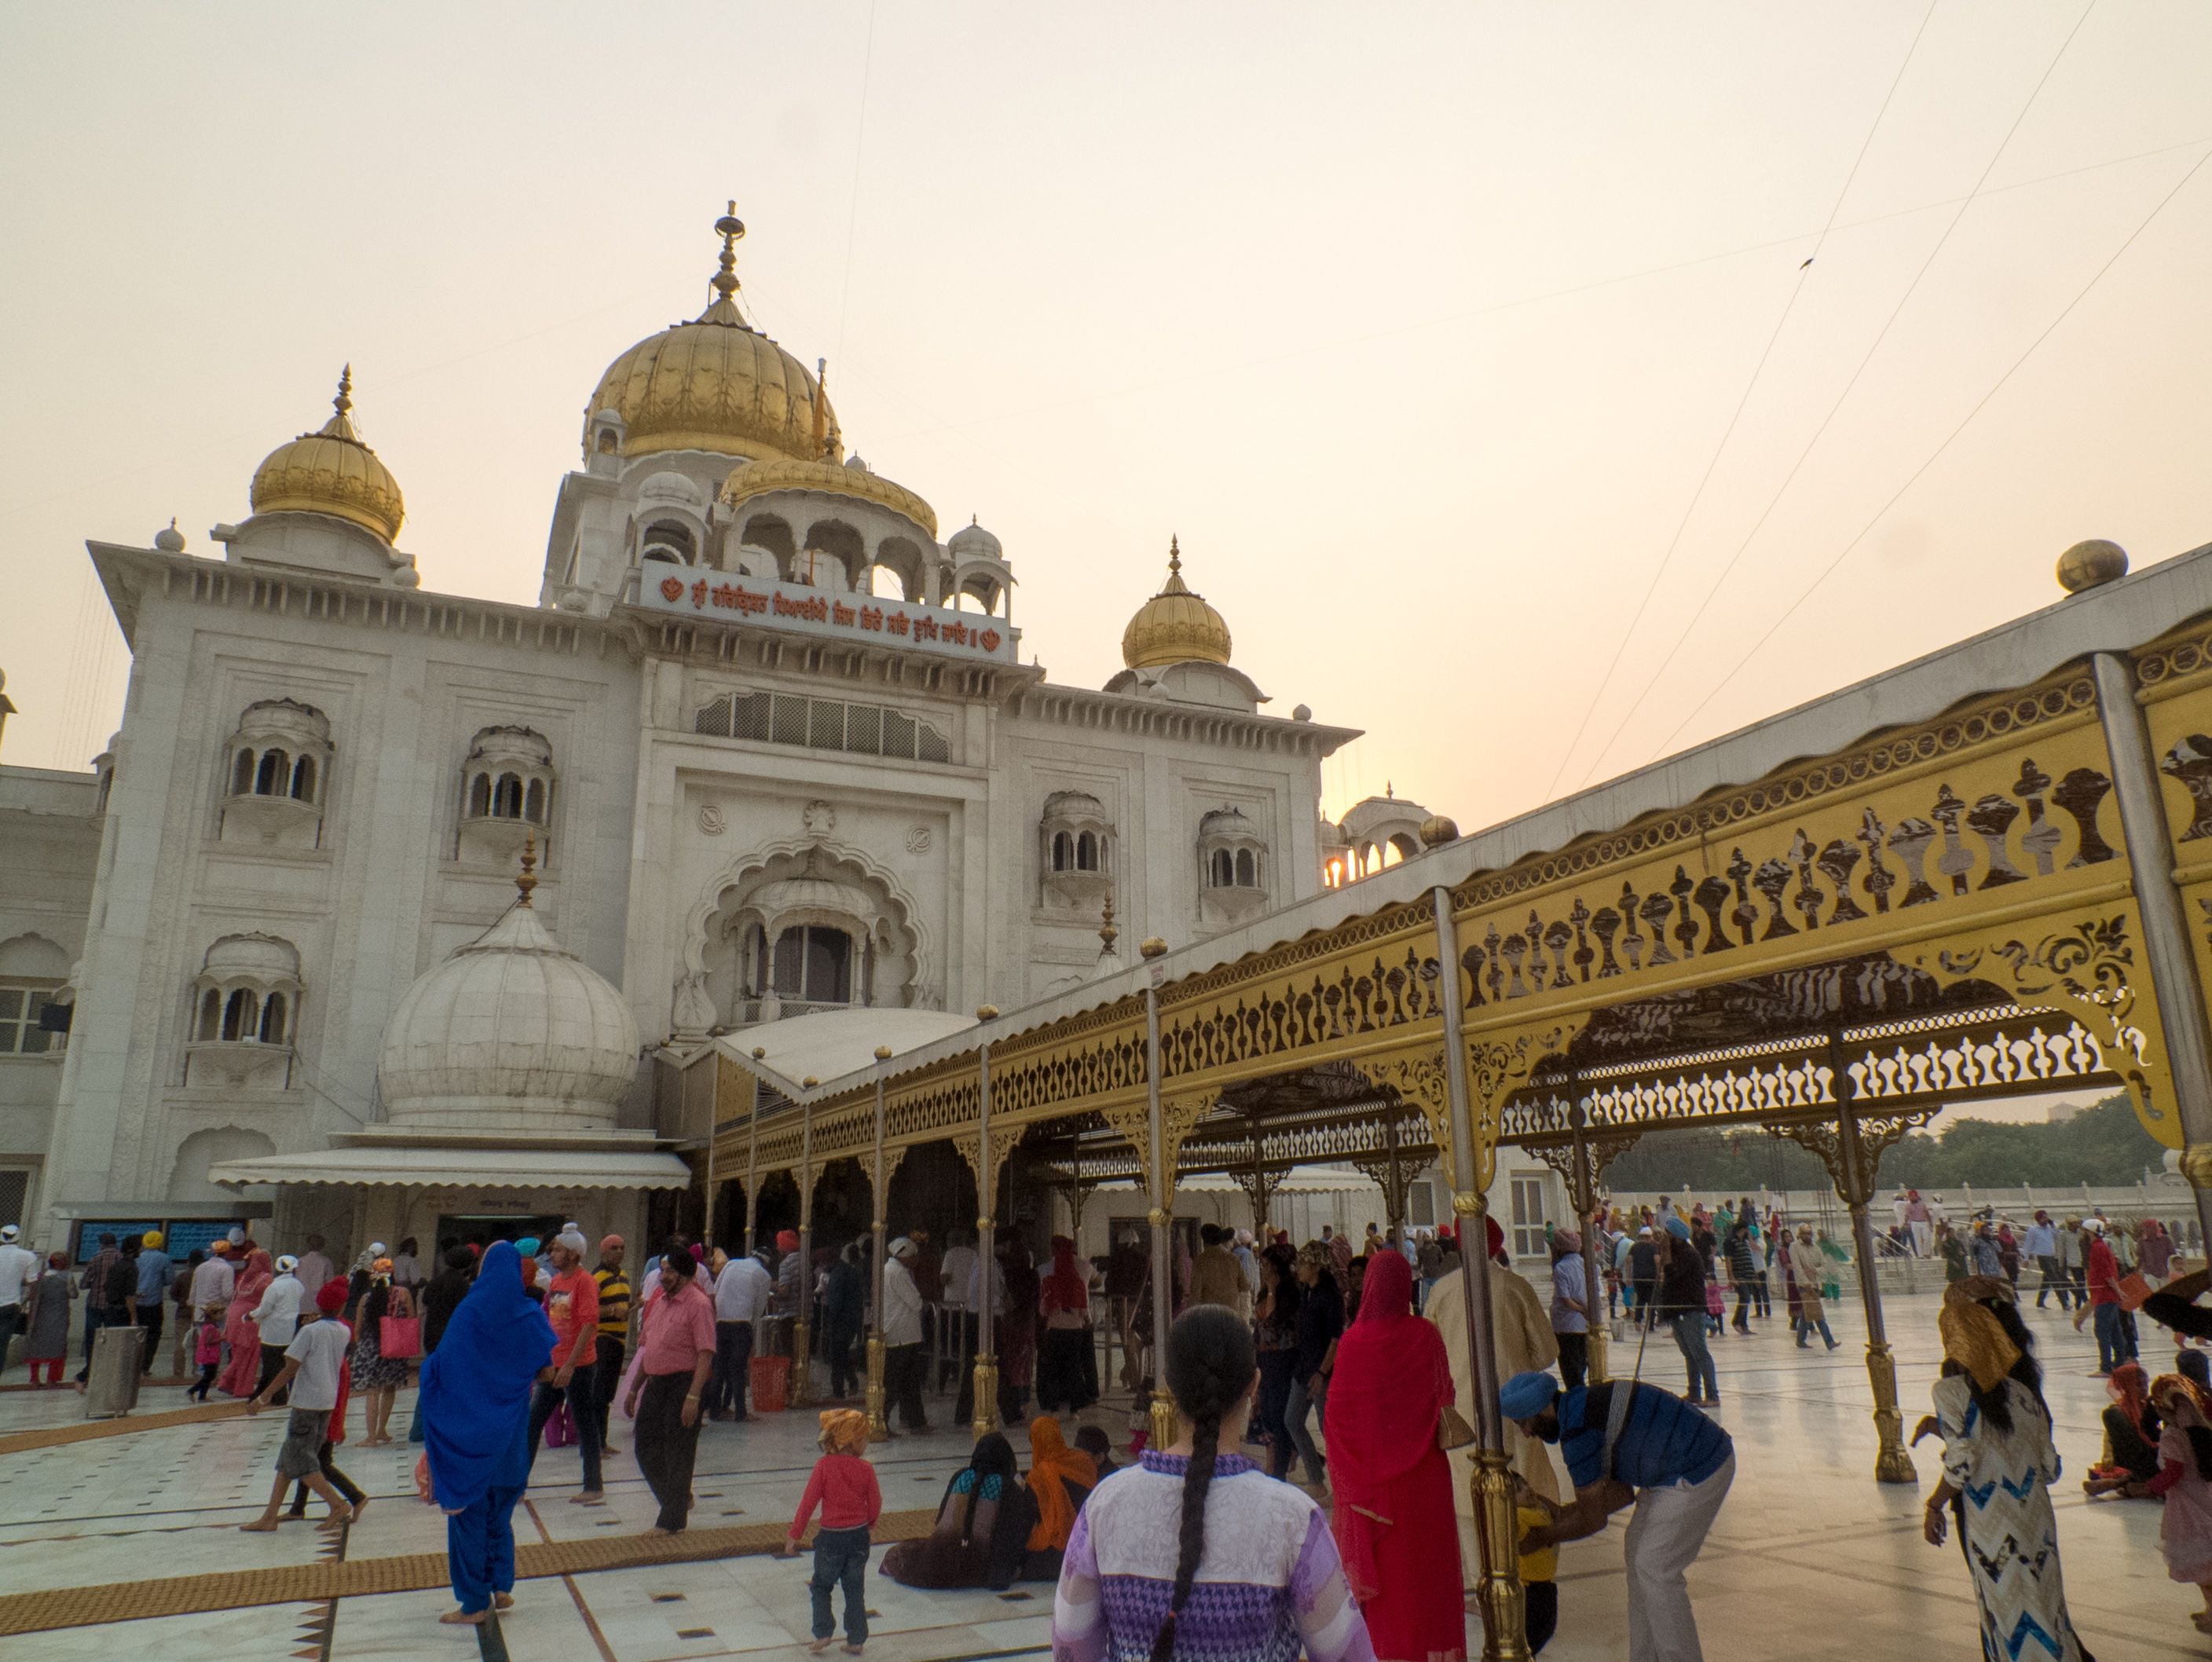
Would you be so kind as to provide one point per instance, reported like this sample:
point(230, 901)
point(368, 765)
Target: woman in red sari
point(1393, 1516)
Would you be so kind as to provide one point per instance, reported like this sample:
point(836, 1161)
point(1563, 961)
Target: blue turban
point(1676, 1227)
point(1525, 1396)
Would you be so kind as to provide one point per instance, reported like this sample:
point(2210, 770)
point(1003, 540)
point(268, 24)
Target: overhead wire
point(1796, 289)
point(1883, 334)
point(1829, 570)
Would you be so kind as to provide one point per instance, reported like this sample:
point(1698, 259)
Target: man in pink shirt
point(571, 1305)
point(676, 1353)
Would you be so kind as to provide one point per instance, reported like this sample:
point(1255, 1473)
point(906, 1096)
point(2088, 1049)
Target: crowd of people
point(1344, 1371)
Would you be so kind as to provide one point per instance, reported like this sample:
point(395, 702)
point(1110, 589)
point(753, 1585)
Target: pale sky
point(1421, 326)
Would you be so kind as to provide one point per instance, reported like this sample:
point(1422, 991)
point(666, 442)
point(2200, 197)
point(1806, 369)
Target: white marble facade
point(756, 784)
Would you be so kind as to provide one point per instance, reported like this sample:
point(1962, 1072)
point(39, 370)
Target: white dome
point(511, 1033)
point(972, 542)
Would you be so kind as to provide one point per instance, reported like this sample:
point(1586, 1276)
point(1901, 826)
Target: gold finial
point(1174, 554)
point(808, 1082)
point(821, 408)
point(528, 880)
point(882, 1053)
point(1106, 932)
point(340, 426)
point(723, 308)
point(986, 1012)
point(760, 1052)
point(1152, 947)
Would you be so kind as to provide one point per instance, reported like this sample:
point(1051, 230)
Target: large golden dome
point(330, 471)
point(1174, 626)
point(716, 384)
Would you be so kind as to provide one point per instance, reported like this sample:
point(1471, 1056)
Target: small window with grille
point(21, 1004)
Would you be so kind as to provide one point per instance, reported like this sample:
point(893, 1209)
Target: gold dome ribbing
point(714, 384)
point(331, 471)
point(1174, 626)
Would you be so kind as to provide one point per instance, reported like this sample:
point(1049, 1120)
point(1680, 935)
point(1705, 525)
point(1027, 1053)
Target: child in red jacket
point(843, 1484)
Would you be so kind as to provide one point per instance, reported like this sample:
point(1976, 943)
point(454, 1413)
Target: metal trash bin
point(111, 1389)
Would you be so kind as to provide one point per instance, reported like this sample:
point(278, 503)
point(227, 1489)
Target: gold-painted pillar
point(802, 1326)
point(1584, 1194)
point(985, 1384)
point(752, 1166)
point(1498, 1590)
point(878, 1427)
point(1163, 1191)
point(1893, 1462)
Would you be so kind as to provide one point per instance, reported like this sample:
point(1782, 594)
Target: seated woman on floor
point(982, 1530)
point(2131, 1428)
point(1060, 1480)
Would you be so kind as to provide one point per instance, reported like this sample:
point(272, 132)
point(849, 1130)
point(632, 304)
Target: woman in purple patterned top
point(1200, 1555)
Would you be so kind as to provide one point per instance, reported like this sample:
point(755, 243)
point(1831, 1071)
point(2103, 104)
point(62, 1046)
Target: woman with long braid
point(1198, 1551)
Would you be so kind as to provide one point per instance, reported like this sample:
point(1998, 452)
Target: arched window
point(1087, 852)
point(303, 779)
point(666, 540)
point(1247, 872)
point(1224, 870)
point(1063, 850)
point(480, 796)
point(210, 1014)
point(507, 798)
point(272, 1020)
point(814, 965)
point(238, 1016)
point(276, 770)
point(534, 802)
point(242, 774)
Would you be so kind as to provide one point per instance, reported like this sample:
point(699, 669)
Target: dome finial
point(1106, 932)
point(821, 408)
point(1174, 554)
point(724, 282)
point(528, 880)
point(340, 426)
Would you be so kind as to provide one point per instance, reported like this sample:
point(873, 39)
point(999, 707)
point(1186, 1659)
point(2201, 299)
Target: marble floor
point(1810, 1561)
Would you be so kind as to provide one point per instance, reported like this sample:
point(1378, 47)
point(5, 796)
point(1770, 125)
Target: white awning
point(449, 1167)
point(829, 1043)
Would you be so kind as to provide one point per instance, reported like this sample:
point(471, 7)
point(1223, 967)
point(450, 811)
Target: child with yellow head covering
point(843, 1485)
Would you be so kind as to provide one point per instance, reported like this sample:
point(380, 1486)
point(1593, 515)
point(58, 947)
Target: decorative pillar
point(986, 1382)
point(878, 1427)
point(1394, 1189)
point(1504, 1602)
point(1163, 1187)
point(1583, 1188)
point(752, 1164)
point(2171, 961)
point(1852, 1154)
point(802, 1328)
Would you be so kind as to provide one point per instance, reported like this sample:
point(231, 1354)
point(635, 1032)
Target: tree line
point(2103, 1146)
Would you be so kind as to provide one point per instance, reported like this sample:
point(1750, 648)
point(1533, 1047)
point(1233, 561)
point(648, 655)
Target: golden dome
point(836, 478)
point(330, 471)
point(1174, 626)
point(716, 384)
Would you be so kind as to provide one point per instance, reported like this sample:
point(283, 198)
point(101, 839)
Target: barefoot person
point(475, 1420)
point(310, 1371)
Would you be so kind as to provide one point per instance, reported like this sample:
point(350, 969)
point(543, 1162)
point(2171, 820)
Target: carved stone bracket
point(2091, 967)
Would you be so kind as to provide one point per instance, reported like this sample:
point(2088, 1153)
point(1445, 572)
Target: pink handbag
point(399, 1337)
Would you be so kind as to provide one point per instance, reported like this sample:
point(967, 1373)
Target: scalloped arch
point(759, 859)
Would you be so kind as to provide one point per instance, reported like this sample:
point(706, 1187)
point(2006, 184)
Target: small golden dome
point(836, 478)
point(716, 384)
point(1174, 626)
point(330, 471)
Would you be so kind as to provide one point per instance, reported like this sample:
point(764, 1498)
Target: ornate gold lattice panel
point(2090, 963)
point(2002, 808)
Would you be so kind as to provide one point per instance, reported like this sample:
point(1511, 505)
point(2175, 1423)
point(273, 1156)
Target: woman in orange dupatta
point(1061, 1478)
point(1392, 1517)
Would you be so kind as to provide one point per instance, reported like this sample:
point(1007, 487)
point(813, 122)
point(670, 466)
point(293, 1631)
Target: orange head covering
point(1050, 1461)
point(1972, 1338)
point(2130, 1387)
point(844, 1431)
point(2175, 1394)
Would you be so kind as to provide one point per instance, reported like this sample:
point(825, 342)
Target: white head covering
point(8, 1232)
point(286, 1263)
point(902, 1246)
point(573, 1239)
